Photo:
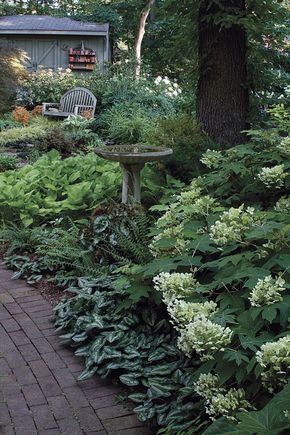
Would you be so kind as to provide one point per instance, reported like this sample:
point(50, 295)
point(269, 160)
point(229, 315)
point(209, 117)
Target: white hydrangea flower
point(204, 337)
point(267, 291)
point(175, 232)
point(212, 158)
point(283, 204)
point(272, 177)
point(175, 285)
point(274, 358)
point(207, 385)
point(219, 401)
point(182, 312)
point(227, 404)
point(158, 80)
point(231, 225)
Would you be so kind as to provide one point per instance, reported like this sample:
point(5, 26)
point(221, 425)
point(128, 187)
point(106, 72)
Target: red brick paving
point(39, 390)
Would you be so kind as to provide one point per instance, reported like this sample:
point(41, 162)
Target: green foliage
point(126, 124)
point(21, 135)
point(184, 136)
point(137, 346)
point(7, 122)
point(7, 162)
point(232, 249)
point(52, 186)
point(48, 86)
point(119, 234)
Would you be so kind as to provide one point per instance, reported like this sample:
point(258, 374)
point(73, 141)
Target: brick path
point(39, 391)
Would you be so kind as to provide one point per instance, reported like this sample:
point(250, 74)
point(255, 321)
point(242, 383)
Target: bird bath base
point(131, 181)
point(132, 159)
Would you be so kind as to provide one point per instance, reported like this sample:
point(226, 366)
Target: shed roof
point(42, 24)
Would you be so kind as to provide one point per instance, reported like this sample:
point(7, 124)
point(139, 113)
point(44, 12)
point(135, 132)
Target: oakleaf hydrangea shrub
point(230, 230)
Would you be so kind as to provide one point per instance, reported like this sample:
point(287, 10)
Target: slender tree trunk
point(140, 35)
point(222, 94)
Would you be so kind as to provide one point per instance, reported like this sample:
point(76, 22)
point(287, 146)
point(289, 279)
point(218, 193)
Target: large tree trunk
point(222, 94)
point(140, 35)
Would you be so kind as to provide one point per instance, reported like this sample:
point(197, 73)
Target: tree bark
point(140, 35)
point(222, 93)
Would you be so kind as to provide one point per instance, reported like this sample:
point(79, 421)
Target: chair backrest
point(77, 96)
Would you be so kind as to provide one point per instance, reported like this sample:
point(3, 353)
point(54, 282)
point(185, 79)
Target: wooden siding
point(53, 52)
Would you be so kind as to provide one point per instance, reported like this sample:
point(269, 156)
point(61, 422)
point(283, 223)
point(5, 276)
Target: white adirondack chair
point(73, 102)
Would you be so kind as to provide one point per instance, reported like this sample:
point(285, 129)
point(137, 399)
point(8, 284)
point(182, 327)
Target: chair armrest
point(46, 105)
point(83, 107)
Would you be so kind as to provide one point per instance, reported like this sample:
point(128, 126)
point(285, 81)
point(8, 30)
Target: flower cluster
point(273, 177)
point(175, 285)
point(182, 312)
point(227, 404)
point(171, 89)
point(231, 225)
point(204, 337)
point(284, 146)
point(219, 401)
point(274, 358)
point(267, 291)
point(172, 232)
point(283, 204)
point(212, 159)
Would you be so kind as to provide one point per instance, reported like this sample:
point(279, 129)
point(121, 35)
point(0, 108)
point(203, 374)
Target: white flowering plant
point(224, 242)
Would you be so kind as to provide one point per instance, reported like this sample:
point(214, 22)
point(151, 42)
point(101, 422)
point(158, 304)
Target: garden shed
point(53, 42)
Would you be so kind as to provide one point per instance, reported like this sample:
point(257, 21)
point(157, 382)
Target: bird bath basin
point(132, 159)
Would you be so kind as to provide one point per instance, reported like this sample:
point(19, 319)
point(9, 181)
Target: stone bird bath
point(132, 159)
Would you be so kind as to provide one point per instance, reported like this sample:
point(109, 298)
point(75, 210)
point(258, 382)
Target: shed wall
point(52, 51)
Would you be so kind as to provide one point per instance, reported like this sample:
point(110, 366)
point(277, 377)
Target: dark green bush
point(184, 135)
point(7, 162)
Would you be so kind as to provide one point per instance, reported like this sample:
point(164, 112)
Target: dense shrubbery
point(47, 86)
point(229, 236)
point(216, 347)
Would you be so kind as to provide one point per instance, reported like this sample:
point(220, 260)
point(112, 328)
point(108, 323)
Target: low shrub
point(48, 86)
point(7, 122)
point(21, 115)
point(21, 135)
point(56, 138)
point(7, 162)
point(126, 123)
point(185, 137)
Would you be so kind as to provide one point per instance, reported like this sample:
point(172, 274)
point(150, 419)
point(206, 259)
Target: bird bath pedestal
point(132, 159)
